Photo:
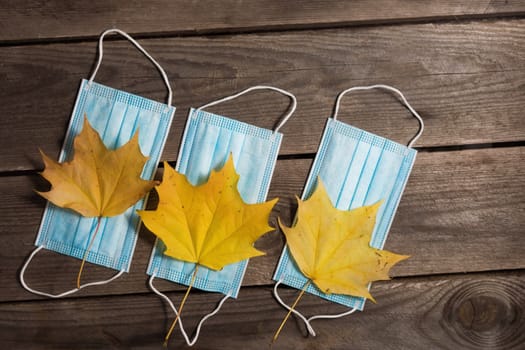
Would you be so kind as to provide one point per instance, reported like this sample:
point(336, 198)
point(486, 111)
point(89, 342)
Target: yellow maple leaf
point(332, 247)
point(209, 224)
point(97, 182)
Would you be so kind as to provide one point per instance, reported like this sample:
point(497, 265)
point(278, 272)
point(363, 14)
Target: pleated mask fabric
point(357, 168)
point(116, 115)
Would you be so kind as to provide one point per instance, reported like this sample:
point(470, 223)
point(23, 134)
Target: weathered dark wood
point(465, 79)
point(477, 311)
point(461, 218)
point(33, 20)
point(463, 206)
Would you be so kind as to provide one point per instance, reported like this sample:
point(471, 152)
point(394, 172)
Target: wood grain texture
point(33, 20)
point(460, 64)
point(458, 206)
point(465, 79)
point(476, 311)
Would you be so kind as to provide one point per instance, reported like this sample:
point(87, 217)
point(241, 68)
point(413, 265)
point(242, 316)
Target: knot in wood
point(486, 314)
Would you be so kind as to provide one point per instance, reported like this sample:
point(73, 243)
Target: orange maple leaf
point(97, 182)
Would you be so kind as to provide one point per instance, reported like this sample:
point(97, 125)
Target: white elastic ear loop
point(308, 321)
point(346, 313)
point(389, 88)
point(283, 121)
point(140, 48)
point(181, 326)
point(29, 289)
point(297, 313)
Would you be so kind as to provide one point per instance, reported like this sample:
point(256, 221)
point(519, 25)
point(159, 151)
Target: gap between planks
point(476, 310)
point(76, 21)
point(458, 206)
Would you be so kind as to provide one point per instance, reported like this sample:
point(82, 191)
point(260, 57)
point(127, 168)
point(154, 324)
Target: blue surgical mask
point(358, 168)
point(207, 142)
point(115, 115)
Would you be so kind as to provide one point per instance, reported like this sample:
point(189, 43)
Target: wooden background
point(460, 63)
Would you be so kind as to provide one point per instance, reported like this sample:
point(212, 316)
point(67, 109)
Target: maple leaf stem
point(290, 311)
point(87, 252)
point(181, 306)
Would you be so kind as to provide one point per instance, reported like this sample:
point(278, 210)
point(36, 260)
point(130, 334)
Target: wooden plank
point(465, 79)
point(32, 20)
point(447, 312)
point(462, 206)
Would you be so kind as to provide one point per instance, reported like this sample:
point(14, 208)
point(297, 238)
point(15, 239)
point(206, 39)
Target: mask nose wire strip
point(201, 322)
point(308, 321)
point(391, 89)
point(284, 119)
point(29, 289)
point(140, 48)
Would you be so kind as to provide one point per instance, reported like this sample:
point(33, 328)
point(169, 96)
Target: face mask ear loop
point(140, 48)
point(306, 321)
point(284, 119)
point(201, 322)
point(56, 296)
point(181, 326)
point(389, 88)
point(346, 313)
